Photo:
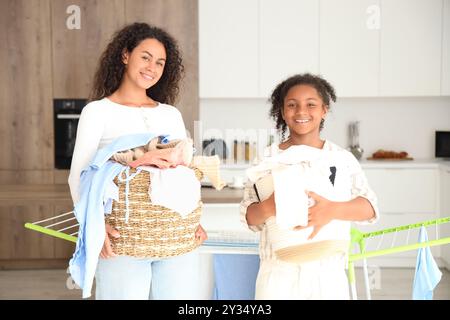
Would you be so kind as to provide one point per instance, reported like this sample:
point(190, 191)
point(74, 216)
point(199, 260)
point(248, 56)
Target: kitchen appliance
point(66, 113)
point(442, 144)
point(354, 148)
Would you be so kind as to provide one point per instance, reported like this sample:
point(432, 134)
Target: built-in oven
point(66, 114)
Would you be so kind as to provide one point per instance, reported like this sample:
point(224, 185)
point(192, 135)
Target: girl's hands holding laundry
point(159, 158)
point(107, 250)
point(259, 212)
point(200, 234)
point(320, 214)
point(268, 206)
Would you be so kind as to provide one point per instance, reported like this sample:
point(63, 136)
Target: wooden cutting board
point(390, 159)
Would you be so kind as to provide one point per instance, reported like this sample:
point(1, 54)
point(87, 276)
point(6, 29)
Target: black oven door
point(66, 115)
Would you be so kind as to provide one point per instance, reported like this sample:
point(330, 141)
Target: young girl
point(300, 104)
point(134, 86)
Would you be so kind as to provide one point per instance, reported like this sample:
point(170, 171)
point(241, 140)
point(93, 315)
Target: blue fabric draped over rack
point(427, 274)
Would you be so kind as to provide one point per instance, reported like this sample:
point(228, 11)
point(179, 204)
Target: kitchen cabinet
point(411, 39)
point(289, 41)
point(16, 242)
point(245, 53)
point(21, 248)
point(349, 46)
point(364, 48)
point(405, 195)
point(445, 72)
point(222, 216)
point(403, 190)
point(76, 52)
point(24, 248)
point(228, 48)
point(26, 138)
point(445, 212)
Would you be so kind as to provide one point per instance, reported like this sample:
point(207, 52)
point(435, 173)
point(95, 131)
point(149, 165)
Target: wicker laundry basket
point(152, 230)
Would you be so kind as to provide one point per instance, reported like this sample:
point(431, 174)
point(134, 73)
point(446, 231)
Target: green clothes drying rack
point(358, 239)
point(36, 226)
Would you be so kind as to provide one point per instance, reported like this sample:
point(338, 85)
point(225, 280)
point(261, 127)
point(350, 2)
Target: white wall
point(390, 123)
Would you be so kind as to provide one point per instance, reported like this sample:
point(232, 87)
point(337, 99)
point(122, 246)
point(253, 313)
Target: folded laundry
point(289, 174)
point(176, 152)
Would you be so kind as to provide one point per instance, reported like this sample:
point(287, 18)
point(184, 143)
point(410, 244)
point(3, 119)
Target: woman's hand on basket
point(158, 158)
point(200, 234)
point(107, 250)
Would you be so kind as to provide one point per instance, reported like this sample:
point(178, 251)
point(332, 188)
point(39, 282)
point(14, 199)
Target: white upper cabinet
point(349, 46)
point(365, 48)
point(411, 40)
point(228, 48)
point(445, 73)
point(289, 40)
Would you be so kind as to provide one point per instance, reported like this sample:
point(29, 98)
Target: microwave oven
point(442, 144)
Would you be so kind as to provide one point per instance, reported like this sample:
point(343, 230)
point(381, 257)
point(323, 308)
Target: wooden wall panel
point(26, 130)
point(27, 177)
point(76, 52)
point(180, 19)
point(45, 60)
point(20, 243)
point(61, 176)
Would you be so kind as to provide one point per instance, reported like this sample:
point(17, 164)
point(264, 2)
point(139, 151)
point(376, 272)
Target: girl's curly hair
point(111, 68)
point(323, 87)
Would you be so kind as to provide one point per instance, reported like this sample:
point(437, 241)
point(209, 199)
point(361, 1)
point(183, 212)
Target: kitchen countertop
point(389, 163)
point(409, 164)
point(59, 194)
point(226, 195)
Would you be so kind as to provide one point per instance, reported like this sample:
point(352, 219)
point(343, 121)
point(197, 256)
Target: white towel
point(291, 200)
point(174, 188)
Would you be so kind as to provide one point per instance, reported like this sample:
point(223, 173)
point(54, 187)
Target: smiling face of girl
point(303, 110)
point(145, 64)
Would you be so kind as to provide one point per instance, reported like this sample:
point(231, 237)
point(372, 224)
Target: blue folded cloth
point(235, 276)
point(427, 274)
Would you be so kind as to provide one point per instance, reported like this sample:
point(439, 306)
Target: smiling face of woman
point(145, 64)
point(303, 111)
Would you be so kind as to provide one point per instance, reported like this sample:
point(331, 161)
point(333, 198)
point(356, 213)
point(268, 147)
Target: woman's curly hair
point(111, 68)
point(323, 87)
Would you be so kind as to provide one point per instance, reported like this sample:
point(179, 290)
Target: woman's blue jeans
point(124, 277)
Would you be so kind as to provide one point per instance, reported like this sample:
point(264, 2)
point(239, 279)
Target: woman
point(136, 82)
